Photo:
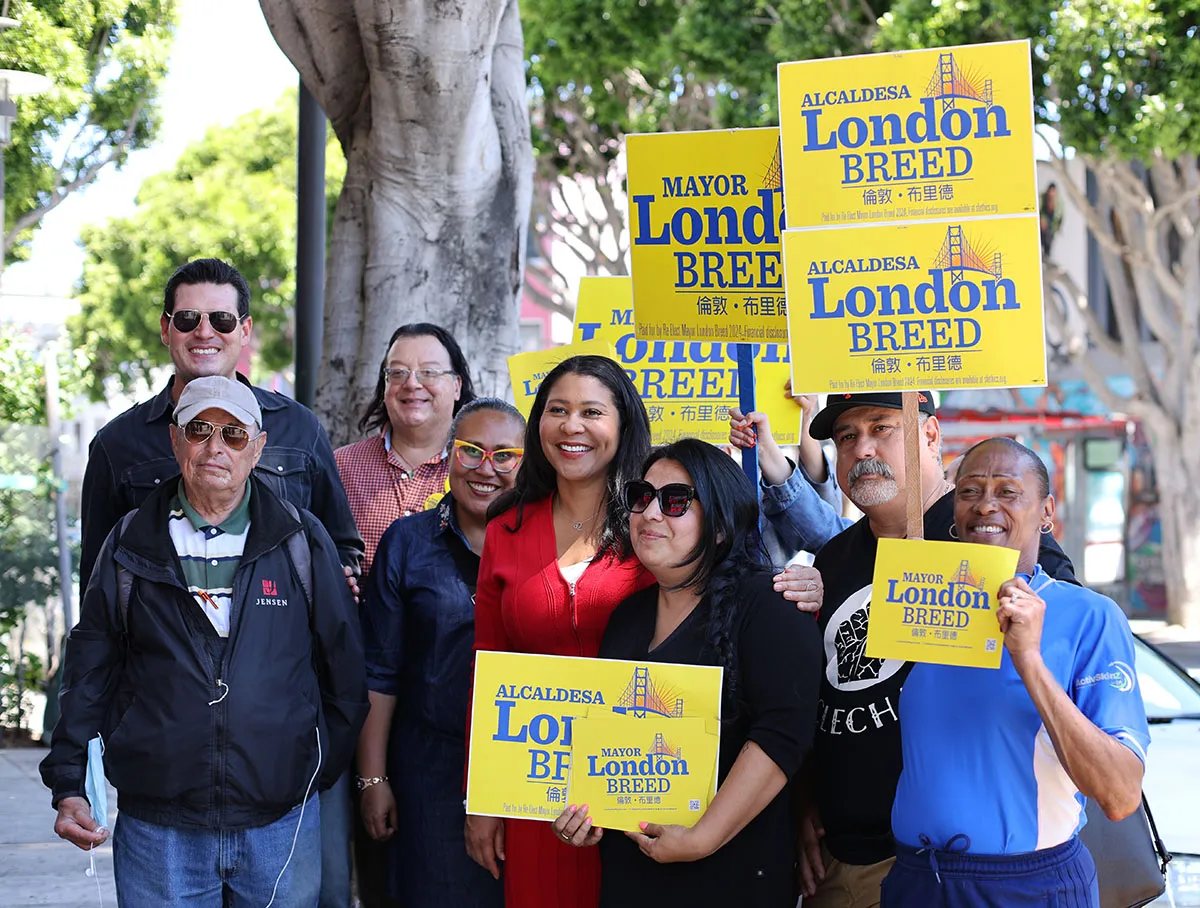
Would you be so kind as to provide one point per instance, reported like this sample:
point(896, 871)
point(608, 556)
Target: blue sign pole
point(745, 359)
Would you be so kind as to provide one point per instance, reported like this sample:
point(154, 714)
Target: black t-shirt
point(857, 746)
point(778, 653)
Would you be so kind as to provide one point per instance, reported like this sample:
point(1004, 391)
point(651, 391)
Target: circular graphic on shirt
point(847, 665)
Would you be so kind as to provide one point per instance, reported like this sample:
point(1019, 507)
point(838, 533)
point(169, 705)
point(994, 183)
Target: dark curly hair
point(537, 480)
point(375, 416)
point(730, 548)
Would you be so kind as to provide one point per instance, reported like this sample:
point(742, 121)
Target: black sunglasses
point(187, 320)
point(673, 499)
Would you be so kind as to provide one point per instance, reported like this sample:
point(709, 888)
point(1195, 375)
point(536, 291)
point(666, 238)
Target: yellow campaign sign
point(934, 304)
point(523, 712)
point(687, 387)
point(936, 602)
point(939, 133)
point(526, 370)
point(653, 770)
point(705, 219)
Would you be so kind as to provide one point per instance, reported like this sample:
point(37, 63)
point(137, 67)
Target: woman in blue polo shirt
point(998, 764)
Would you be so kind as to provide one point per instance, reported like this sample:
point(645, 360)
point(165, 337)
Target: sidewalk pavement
point(36, 866)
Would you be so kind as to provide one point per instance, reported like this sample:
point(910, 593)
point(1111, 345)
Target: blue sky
point(225, 63)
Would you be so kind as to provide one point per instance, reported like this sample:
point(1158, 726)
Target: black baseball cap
point(837, 404)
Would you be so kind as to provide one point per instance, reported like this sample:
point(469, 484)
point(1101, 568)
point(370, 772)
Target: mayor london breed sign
point(524, 709)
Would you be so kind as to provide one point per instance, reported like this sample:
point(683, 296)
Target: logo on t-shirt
point(269, 588)
point(847, 665)
point(1121, 678)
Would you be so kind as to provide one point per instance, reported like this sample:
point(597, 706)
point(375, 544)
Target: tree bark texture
point(1146, 220)
point(427, 98)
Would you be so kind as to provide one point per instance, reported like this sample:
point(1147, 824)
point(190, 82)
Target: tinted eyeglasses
point(673, 499)
point(424, 376)
point(198, 431)
point(504, 460)
point(186, 320)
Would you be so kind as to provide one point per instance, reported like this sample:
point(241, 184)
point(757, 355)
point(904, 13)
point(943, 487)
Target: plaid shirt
point(381, 489)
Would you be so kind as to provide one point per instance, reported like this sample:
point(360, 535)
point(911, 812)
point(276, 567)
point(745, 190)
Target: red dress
point(524, 605)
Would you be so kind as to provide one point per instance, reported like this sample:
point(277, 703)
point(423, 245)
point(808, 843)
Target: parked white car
point(1172, 782)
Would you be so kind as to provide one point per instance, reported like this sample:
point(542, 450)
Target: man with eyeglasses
point(206, 325)
point(219, 658)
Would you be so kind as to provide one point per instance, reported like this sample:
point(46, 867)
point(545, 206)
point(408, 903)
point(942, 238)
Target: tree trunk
point(428, 102)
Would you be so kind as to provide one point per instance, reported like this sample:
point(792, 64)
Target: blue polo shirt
point(977, 758)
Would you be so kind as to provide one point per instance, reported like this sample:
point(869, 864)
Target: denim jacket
point(801, 515)
point(418, 618)
point(131, 456)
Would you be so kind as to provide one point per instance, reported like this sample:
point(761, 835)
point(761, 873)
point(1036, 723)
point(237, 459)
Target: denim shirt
point(418, 620)
point(801, 515)
point(131, 456)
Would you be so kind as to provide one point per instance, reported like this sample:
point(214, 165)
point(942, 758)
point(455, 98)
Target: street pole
point(65, 582)
point(310, 246)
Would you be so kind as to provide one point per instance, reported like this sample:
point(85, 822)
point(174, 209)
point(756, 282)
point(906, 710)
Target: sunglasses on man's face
point(187, 320)
point(198, 431)
point(673, 499)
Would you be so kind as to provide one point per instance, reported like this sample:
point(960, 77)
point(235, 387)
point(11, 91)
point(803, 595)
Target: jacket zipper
point(574, 617)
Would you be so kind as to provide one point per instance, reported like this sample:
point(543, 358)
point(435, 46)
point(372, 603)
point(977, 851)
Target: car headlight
point(1183, 881)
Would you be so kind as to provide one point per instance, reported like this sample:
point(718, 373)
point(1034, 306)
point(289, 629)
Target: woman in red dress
point(556, 562)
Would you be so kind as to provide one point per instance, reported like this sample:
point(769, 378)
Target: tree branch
point(61, 192)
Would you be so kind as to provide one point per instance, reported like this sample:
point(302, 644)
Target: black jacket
point(131, 456)
point(181, 749)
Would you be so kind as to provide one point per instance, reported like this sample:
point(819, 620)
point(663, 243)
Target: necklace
point(578, 526)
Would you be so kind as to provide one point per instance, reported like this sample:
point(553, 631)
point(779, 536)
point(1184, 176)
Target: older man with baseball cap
point(846, 845)
point(218, 657)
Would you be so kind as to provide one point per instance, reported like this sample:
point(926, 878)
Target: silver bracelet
point(364, 784)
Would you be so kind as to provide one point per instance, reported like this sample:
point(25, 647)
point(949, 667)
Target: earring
point(1048, 529)
point(953, 531)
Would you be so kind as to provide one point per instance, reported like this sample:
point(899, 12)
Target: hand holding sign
point(1020, 614)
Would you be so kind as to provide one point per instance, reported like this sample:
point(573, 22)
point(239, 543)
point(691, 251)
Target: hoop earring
point(953, 531)
point(1047, 530)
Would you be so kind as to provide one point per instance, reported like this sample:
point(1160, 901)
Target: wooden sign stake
point(911, 420)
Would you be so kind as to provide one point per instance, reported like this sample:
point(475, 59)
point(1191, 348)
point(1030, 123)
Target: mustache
point(870, 467)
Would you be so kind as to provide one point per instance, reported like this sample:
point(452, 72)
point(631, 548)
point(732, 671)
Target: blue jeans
point(335, 844)
point(183, 867)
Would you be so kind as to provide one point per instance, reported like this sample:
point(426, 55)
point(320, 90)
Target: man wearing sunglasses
point(219, 658)
point(206, 325)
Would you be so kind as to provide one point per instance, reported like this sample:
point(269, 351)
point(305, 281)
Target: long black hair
point(537, 479)
point(730, 547)
point(375, 416)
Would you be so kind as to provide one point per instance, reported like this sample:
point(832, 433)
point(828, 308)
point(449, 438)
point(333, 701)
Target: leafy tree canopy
point(1115, 77)
point(106, 60)
point(230, 196)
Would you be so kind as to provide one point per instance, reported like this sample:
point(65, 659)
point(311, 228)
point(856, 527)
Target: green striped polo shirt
point(210, 554)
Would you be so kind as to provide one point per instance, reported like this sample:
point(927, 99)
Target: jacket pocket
point(285, 472)
point(144, 477)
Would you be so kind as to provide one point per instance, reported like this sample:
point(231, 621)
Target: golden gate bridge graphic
point(964, 577)
point(957, 255)
point(662, 749)
point(641, 697)
point(949, 84)
point(773, 178)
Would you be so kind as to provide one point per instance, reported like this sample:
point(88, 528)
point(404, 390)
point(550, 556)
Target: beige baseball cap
point(215, 392)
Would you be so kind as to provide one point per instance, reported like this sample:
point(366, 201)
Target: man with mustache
point(846, 845)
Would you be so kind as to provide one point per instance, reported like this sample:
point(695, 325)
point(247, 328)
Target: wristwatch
point(367, 783)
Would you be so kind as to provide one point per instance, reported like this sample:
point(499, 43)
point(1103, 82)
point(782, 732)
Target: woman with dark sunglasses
point(418, 616)
point(694, 525)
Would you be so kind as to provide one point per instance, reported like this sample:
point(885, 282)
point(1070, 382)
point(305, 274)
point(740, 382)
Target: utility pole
point(310, 246)
point(65, 582)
